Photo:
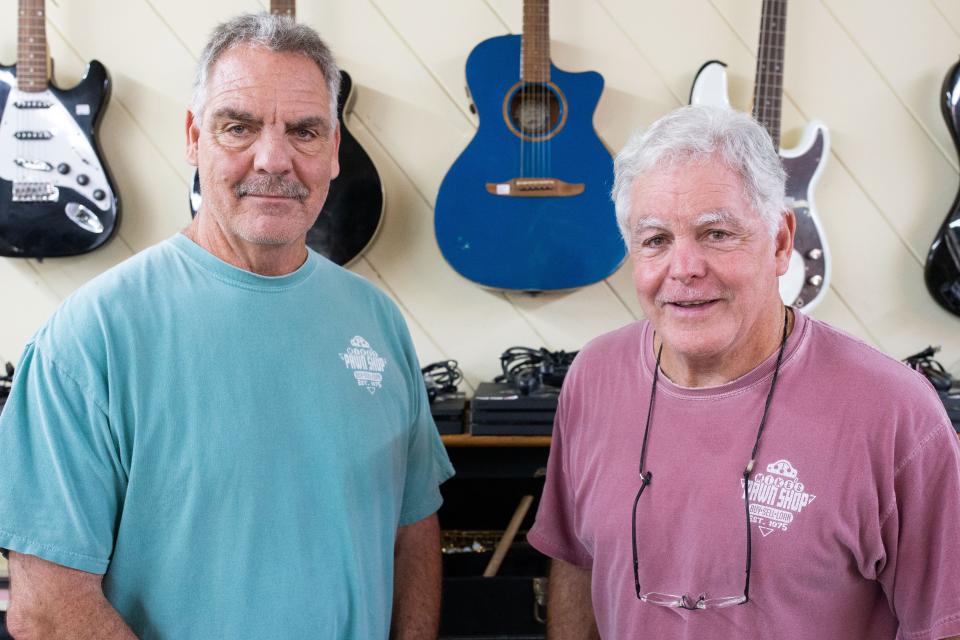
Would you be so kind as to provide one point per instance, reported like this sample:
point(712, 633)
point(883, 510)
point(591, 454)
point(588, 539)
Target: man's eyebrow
point(648, 222)
point(311, 122)
point(718, 216)
point(246, 117)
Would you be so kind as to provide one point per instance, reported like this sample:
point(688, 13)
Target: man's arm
point(569, 605)
point(49, 601)
point(416, 581)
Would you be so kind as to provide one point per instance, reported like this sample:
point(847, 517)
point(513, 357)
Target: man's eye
point(717, 234)
point(237, 129)
point(655, 241)
point(305, 134)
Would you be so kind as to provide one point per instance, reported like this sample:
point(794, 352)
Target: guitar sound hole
point(535, 111)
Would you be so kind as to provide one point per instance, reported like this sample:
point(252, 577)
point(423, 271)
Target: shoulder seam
point(73, 378)
point(914, 453)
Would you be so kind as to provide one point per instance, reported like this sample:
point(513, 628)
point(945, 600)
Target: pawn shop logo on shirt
point(776, 497)
point(367, 365)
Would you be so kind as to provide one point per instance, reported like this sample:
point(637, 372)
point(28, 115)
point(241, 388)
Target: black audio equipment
point(447, 405)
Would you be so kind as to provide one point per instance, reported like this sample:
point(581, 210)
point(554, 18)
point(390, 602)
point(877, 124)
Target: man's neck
point(713, 371)
point(264, 260)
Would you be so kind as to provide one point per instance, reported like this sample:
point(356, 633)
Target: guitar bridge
point(535, 188)
point(35, 192)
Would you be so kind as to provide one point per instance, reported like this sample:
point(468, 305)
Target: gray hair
point(693, 134)
point(273, 33)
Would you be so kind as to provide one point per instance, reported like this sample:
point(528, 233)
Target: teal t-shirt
point(234, 452)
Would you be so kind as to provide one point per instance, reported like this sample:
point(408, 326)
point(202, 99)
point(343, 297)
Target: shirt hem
point(81, 562)
point(946, 627)
point(555, 551)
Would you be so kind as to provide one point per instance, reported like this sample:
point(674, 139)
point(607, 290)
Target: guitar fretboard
point(284, 7)
point(535, 48)
point(768, 89)
point(31, 46)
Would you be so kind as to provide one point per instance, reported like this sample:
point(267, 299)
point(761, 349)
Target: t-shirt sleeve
point(428, 465)
point(61, 482)
point(921, 537)
point(554, 530)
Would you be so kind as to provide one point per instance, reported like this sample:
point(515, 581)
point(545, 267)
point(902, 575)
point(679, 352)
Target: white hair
point(273, 33)
point(697, 133)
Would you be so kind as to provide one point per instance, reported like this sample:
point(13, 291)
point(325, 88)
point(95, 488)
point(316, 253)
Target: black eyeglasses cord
point(647, 478)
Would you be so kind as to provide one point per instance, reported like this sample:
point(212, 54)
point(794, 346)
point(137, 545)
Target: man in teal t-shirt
point(227, 436)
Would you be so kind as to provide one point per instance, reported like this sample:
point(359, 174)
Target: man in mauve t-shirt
point(730, 468)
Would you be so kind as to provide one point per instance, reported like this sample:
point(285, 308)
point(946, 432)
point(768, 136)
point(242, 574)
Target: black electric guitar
point(942, 271)
point(56, 195)
point(352, 212)
point(808, 277)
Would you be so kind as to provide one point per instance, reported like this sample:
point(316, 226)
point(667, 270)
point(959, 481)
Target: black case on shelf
point(498, 409)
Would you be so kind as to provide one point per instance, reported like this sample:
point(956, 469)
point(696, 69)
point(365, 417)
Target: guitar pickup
point(32, 104)
point(33, 135)
point(35, 192)
point(535, 188)
point(33, 165)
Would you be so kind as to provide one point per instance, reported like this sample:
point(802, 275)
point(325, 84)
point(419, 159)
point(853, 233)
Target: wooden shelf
point(467, 440)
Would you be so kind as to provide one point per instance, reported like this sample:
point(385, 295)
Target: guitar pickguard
point(808, 276)
point(42, 144)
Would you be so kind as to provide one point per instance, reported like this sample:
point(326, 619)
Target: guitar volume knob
point(83, 179)
point(815, 254)
point(815, 280)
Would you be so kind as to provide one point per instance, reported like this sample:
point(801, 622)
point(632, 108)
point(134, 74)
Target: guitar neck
point(284, 8)
point(535, 48)
point(768, 89)
point(32, 72)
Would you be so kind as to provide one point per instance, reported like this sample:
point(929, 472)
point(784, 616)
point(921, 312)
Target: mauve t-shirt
point(854, 498)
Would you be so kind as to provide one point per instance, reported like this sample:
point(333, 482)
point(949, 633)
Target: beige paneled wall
point(871, 71)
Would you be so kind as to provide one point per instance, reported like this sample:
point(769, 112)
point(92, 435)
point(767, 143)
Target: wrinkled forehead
point(250, 75)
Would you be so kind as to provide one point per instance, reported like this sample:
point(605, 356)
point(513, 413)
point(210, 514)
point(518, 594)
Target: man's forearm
point(48, 602)
point(569, 605)
point(416, 583)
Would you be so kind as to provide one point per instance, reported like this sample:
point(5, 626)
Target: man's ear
point(193, 137)
point(784, 240)
point(335, 161)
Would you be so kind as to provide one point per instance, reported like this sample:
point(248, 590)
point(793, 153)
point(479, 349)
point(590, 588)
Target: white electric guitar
point(56, 195)
point(808, 276)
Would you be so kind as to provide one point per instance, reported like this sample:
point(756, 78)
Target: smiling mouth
point(691, 304)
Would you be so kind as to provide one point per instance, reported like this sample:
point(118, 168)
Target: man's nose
point(273, 153)
point(687, 260)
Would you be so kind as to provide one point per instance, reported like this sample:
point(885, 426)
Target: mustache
point(271, 186)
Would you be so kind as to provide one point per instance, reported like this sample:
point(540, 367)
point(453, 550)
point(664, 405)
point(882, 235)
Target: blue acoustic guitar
point(527, 204)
